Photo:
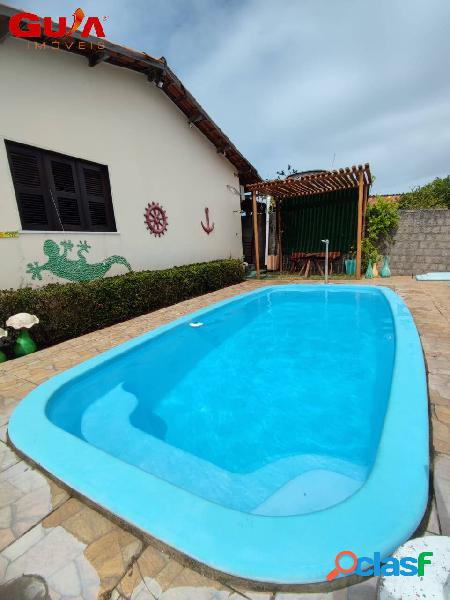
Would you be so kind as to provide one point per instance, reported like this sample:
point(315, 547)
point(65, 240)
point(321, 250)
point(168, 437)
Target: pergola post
point(359, 225)
point(279, 241)
point(365, 200)
point(255, 232)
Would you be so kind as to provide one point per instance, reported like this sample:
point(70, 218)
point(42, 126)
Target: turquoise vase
point(350, 266)
point(369, 271)
point(3, 357)
point(24, 344)
point(385, 271)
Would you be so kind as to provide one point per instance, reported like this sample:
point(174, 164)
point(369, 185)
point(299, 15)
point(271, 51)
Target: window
point(58, 193)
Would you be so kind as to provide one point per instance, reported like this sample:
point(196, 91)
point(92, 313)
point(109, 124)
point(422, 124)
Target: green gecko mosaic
point(60, 265)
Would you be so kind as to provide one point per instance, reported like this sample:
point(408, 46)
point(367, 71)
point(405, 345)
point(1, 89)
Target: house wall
point(421, 242)
point(52, 99)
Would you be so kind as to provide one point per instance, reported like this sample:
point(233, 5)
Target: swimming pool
point(260, 436)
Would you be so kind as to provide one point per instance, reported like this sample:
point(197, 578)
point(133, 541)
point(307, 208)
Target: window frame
point(50, 193)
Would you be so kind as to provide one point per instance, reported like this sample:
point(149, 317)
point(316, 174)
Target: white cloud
point(299, 80)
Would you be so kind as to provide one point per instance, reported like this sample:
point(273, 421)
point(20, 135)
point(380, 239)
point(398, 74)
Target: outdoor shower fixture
point(326, 242)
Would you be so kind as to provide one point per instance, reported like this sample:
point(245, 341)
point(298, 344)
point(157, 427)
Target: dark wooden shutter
point(65, 192)
point(94, 182)
point(30, 186)
point(56, 192)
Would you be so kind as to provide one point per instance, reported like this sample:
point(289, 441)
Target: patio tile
point(187, 578)
point(442, 466)
point(443, 413)
point(11, 392)
point(251, 595)
point(38, 376)
point(7, 457)
point(440, 386)
point(433, 527)
point(442, 491)
point(155, 575)
point(439, 365)
point(338, 595)
point(86, 565)
point(141, 575)
point(26, 497)
point(441, 436)
point(367, 590)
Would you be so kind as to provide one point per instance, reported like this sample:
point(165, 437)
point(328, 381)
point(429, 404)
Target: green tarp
point(309, 219)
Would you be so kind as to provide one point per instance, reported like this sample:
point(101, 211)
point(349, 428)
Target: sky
point(311, 83)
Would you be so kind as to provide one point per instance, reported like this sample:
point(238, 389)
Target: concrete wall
point(422, 242)
point(52, 100)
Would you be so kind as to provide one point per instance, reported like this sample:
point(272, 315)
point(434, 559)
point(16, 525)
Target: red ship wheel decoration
point(156, 219)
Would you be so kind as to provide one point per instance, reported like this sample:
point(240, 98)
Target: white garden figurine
point(22, 321)
point(3, 333)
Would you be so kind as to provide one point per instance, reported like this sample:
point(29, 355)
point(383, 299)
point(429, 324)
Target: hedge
point(69, 310)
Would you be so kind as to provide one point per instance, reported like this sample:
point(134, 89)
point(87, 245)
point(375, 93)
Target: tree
point(435, 194)
point(290, 171)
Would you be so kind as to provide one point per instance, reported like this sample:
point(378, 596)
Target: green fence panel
point(308, 219)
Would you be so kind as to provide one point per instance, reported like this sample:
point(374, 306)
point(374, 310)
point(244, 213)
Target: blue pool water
point(274, 405)
point(260, 436)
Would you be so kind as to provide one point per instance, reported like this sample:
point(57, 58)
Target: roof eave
point(155, 69)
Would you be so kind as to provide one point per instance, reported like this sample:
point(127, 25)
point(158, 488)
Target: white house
point(107, 163)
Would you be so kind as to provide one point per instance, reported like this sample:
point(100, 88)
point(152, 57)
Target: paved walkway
point(69, 551)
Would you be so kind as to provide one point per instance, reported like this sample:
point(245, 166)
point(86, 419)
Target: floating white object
point(435, 583)
point(196, 324)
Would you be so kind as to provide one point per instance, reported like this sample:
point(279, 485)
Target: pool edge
point(198, 565)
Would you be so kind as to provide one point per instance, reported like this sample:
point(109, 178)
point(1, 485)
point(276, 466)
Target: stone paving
point(59, 548)
point(26, 497)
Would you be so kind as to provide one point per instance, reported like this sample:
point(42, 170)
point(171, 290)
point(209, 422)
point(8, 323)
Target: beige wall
point(113, 116)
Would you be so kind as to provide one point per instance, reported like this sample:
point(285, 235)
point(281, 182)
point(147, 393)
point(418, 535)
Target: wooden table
point(306, 262)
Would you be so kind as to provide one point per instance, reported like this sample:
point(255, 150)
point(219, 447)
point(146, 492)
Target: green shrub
point(381, 220)
point(435, 194)
point(72, 309)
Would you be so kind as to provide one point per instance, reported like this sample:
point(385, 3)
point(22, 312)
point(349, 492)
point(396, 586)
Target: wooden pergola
point(355, 177)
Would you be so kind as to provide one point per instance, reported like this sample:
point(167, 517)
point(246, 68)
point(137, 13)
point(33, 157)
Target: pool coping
point(401, 321)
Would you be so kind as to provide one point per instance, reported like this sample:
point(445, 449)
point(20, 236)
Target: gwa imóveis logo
point(29, 25)
point(366, 566)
